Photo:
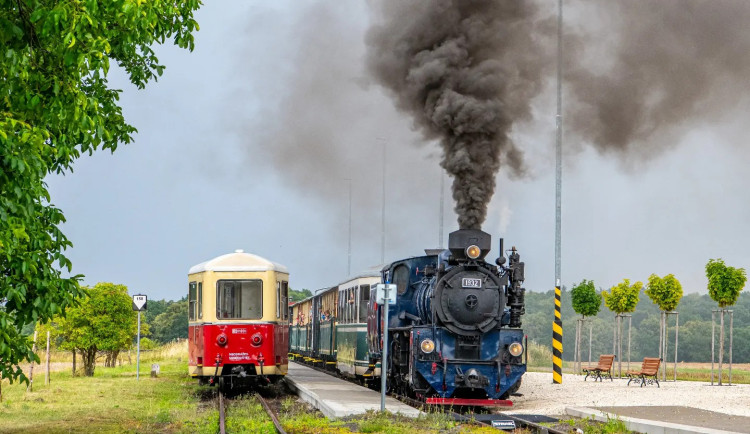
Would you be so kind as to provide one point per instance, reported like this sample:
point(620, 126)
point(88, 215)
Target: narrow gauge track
point(222, 413)
point(520, 423)
point(222, 416)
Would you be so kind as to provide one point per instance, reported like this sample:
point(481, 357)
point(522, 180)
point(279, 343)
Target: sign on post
point(139, 303)
point(380, 293)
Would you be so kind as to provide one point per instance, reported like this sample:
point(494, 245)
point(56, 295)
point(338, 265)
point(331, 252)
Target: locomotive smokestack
point(465, 71)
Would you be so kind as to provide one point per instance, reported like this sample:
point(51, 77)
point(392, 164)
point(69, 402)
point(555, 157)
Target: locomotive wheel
point(512, 389)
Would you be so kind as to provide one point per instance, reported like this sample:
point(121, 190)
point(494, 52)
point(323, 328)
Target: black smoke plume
point(465, 71)
point(640, 73)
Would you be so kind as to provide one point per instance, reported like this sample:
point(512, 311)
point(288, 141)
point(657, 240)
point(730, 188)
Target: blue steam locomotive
point(454, 333)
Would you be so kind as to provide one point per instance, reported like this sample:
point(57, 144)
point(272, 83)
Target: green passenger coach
point(329, 329)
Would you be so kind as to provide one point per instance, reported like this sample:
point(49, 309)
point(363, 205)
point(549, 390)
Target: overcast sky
point(248, 142)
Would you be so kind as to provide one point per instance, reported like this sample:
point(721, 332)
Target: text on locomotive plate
point(468, 282)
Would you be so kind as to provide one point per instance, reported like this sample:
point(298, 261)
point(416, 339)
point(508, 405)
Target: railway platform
point(338, 398)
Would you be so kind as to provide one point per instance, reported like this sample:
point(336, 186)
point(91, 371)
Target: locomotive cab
point(238, 319)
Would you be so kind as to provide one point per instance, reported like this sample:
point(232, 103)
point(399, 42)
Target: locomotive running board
point(466, 401)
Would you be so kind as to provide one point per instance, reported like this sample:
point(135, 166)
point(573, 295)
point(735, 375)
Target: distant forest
point(694, 343)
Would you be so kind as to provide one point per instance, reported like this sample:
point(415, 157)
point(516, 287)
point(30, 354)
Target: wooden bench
point(604, 367)
point(648, 373)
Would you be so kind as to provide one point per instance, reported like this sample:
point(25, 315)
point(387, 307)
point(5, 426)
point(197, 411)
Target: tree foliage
point(665, 292)
point(104, 321)
point(623, 297)
point(724, 282)
point(172, 323)
point(56, 104)
point(586, 301)
point(299, 295)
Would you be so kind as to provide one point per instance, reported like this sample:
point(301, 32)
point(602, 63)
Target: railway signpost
point(140, 303)
point(385, 295)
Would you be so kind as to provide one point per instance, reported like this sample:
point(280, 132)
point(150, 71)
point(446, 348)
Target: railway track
point(271, 414)
point(479, 419)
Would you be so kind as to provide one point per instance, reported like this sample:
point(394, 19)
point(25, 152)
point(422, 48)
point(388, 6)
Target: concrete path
point(337, 398)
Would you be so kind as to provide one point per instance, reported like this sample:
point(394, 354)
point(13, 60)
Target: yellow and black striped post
point(557, 347)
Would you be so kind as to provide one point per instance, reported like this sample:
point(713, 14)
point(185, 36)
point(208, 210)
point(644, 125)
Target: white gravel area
point(541, 396)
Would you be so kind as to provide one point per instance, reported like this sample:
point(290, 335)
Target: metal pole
point(557, 326)
point(442, 203)
point(138, 353)
point(384, 359)
point(676, 334)
point(731, 332)
point(713, 338)
point(349, 263)
point(46, 374)
point(382, 215)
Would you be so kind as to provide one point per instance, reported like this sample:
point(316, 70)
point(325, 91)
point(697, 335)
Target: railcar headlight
point(473, 252)
point(515, 349)
point(222, 339)
point(427, 346)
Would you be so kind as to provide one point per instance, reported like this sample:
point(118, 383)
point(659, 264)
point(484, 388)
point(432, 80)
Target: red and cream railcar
point(238, 319)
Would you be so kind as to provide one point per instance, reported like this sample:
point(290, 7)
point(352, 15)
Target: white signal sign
point(139, 302)
point(385, 293)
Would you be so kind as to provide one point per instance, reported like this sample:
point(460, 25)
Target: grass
point(111, 401)
point(591, 426)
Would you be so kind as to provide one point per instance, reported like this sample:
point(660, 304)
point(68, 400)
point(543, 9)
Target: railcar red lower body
point(240, 351)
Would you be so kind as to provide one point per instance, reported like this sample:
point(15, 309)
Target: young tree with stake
point(586, 302)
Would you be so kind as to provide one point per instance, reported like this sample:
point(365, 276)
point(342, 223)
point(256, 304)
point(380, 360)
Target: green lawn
point(111, 401)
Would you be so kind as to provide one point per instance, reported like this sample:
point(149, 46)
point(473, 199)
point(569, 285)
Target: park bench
point(648, 373)
point(603, 367)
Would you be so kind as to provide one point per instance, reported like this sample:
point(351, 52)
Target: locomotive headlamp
point(473, 252)
point(515, 349)
point(427, 346)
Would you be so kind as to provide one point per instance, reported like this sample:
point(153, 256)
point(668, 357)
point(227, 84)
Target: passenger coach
point(238, 320)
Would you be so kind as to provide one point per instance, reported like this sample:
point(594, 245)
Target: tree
point(586, 301)
point(623, 297)
point(724, 282)
point(724, 286)
point(57, 104)
point(299, 295)
point(104, 321)
point(665, 292)
point(172, 323)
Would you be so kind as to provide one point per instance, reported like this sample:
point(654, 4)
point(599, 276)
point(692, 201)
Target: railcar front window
point(239, 299)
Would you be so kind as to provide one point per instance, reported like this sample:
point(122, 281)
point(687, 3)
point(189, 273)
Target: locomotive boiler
point(454, 332)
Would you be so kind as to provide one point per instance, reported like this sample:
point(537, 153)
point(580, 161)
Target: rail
point(222, 415)
point(272, 414)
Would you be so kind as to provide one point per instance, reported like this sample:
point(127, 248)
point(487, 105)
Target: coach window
point(278, 299)
point(285, 300)
point(239, 299)
point(200, 300)
point(364, 299)
point(191, 301)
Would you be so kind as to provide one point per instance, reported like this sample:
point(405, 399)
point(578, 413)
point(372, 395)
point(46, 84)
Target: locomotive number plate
point(467, 282)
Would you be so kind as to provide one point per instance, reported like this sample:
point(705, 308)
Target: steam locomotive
point(454, 333)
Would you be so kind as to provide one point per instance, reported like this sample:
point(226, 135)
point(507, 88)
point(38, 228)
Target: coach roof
point(238, 261)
